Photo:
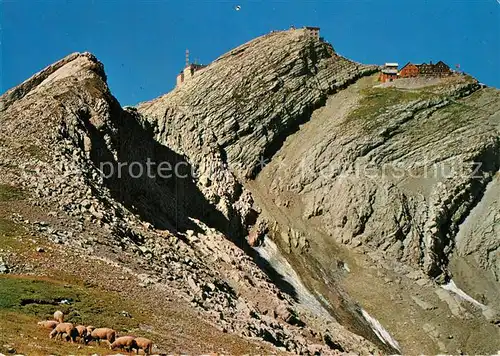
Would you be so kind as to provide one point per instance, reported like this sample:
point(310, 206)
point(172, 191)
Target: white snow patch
point(380, 331)
point(452, 287)
point(270, 252)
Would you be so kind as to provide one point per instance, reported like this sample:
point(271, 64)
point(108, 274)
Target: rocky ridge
point(392, 172)
point(242, 106)
point(56, 132)
point(289, 141)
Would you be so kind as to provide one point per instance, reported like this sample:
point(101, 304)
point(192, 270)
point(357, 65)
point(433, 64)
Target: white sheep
point(65, 328)
point(59, 316)
point(103, 334)
point(82, 333)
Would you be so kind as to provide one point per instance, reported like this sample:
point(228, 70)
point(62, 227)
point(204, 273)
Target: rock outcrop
point(389, 171)
point(66, 141)
point(231, 118)
point(398, 176)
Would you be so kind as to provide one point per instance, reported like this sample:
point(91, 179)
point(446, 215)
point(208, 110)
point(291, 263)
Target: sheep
point(124, 342)
point(103, 334)
point(48, 324)
point(82, 333)
point(145, 344)
point(65, 328)
point(59, 316)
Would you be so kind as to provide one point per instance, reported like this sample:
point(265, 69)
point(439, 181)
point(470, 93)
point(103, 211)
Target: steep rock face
point(279, 138)
point(232, 117)
point(70, 102)
point(391, 172)
point(74, 64)
point(252, 97)
point(476, 259)
point(61, 137)
point(398, 175)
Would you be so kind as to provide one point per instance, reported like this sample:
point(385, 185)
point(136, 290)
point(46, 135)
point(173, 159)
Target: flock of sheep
point(86, 334)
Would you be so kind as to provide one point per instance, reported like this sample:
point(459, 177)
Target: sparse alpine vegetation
point(9, 193)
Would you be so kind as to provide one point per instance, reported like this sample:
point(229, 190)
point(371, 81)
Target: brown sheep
point(126, 343)
point(103, 334)
point(59, 316)
point(82, 333)
point(145, 344)
point(48, 324)
point(65, 328)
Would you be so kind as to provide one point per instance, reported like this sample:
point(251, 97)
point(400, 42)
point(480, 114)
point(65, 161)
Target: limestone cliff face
point(62, 131)
point(393, 172)
point(246, 102)
point(232, 117)
point(397, 176)
point(284, 128)
point(407, 177)
point(69, 103)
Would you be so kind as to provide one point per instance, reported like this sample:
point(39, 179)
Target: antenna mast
point(187, 57)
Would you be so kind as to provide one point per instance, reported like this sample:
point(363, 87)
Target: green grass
point(8, 228)
point(377, 100)
point(25, 300)
point(22, 333)
point(10, 193)
point(9, 234)
point(40, 298)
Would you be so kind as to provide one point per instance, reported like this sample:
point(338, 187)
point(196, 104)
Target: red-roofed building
point(409, 70)
point(389, 72)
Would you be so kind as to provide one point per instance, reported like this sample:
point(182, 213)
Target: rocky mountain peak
point(253, 97)
point(75, 66)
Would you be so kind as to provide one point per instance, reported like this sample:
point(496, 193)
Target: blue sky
point(142, 43)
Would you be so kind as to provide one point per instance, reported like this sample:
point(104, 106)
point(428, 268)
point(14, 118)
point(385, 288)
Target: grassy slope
point(40, 297)
point(9, 193)
point(19, 328)
point(376, 100)
point(24, 300)
point(98, 292)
